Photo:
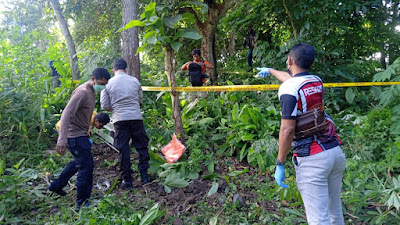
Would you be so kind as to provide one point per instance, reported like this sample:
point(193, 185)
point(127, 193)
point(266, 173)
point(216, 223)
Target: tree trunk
point(130, 39)
point(176, 105)
point(207, 31)
point(73, 57)
point(383, 59)
point(207, 44)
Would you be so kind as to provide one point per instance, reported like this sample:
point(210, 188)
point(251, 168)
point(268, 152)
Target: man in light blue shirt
point(123, 96)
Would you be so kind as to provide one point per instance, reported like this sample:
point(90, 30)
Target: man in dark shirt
point(249, 41)
point(75, 123)
point(55, 75)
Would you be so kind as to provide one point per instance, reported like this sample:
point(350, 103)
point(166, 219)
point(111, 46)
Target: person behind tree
point(123, 96)
point(249, 41)
point(318, 159)
point(54, 74)
point(74, 126)
point(197, 69)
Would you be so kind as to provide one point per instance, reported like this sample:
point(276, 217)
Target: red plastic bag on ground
point(173, 150)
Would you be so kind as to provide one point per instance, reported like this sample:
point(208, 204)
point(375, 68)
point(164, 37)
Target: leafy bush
point(372, 136)
point(19, 194)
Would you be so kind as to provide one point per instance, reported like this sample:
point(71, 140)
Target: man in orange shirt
point(197, 69)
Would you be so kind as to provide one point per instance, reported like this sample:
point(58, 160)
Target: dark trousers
point(250, 58)
point(124, 131)
point(83, 164)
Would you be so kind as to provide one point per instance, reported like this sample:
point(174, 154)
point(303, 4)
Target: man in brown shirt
point(75, 122)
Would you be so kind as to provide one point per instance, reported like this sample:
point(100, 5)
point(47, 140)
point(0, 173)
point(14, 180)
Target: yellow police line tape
point(263, 87)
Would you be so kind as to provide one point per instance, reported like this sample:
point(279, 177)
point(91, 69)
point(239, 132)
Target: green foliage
point(368, 185)
point(389, 95)
point(27, 99)
point(224, 126)
point(177, 174)
point(163, 27)
point(18, 193)
point(372, 136)
point(110, 210)
point(394, 198)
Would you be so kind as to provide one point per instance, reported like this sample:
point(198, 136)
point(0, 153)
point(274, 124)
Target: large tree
point(73, 56)
point(130, 39)
point(162, 26)
point(208, 27)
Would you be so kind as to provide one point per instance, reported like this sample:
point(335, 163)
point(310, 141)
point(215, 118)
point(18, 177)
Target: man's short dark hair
point(102, 118)
point(196, 51)
point(100, 73)
point(303, 55)
point(120, 64)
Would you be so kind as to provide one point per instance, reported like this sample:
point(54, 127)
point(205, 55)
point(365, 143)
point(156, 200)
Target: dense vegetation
point(231, 137)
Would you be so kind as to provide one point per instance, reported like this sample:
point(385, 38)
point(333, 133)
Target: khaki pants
point(319, 179)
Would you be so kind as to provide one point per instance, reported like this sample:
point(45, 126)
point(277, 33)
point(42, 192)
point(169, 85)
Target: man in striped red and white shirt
point(318, 159)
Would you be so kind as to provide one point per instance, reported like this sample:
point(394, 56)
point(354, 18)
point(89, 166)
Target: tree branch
point(291, 19)
point(226, 5)
point(196, 17)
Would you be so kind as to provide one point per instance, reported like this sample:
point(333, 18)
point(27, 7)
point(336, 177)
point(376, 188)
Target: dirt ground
point(180, 201)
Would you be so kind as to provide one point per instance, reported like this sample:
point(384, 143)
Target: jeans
point(319, 179)
point(83, 164)
point(125, 130)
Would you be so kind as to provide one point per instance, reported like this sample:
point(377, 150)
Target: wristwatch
point(277, 162)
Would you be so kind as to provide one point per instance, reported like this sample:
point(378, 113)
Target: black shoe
point(146, 178)
point(86, 204)
point(58, 191)
point(251, 69)
point(126, 185)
